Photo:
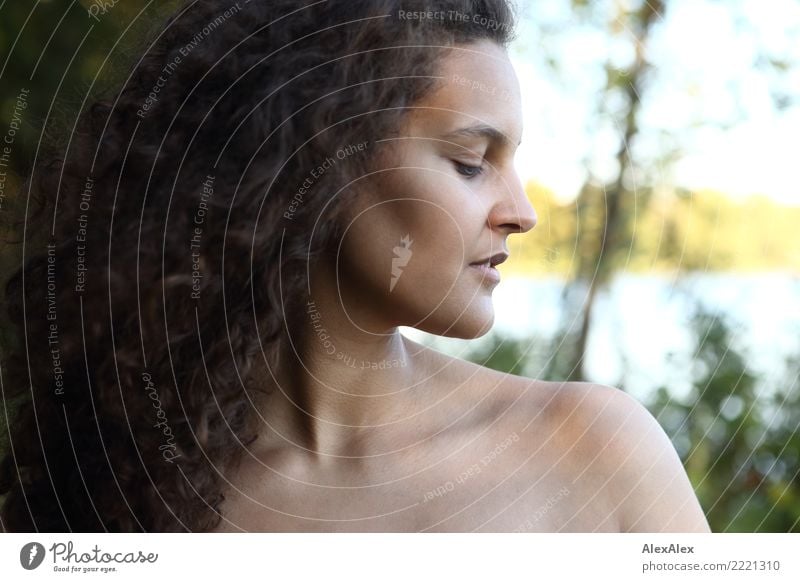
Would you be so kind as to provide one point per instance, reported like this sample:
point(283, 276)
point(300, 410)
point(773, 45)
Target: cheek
point(419, 244)
point(406, 246)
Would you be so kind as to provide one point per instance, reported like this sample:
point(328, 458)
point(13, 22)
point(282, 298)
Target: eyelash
point(478, 170)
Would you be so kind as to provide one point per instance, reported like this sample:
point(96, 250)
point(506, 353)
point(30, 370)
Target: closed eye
point(467, 170)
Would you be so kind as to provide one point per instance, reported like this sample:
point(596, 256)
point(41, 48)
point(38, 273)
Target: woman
point(212, 334)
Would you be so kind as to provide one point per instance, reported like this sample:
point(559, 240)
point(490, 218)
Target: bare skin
point(365, 430)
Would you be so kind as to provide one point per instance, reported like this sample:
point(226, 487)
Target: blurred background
point(659, 150)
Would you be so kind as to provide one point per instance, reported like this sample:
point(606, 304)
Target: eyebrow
point(481, 130)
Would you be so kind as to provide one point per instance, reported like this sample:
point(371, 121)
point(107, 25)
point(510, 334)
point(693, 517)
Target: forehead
point(477, 84)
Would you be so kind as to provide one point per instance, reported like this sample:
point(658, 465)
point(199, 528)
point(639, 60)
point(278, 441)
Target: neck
point(342, 388)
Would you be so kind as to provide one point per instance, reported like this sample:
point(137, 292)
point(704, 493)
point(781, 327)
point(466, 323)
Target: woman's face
point(444, 199)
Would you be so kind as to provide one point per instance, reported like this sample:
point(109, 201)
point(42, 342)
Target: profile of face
point(433, 219)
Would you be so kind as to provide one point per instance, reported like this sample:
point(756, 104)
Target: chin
point(471, 322)
point(440, 308)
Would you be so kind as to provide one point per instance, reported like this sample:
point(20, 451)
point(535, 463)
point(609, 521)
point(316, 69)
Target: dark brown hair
point(181, 215)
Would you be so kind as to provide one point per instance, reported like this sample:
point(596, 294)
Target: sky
point(708, 97)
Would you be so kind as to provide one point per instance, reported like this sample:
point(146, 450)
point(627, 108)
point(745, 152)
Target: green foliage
point(677, 231)
point(520, 356)
point(63, 56)
point(739, 448)
point(504, 356)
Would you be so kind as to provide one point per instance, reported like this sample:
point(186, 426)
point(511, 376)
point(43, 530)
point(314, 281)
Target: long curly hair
point(178, 222)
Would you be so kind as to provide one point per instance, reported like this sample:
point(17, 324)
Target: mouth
point(486, 267)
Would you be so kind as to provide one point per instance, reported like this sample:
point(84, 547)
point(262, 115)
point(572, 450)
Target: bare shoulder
point(602, 442)
point(610, 444)
point(646, 481)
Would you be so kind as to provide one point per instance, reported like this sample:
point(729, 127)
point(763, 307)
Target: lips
point(486, 268)
point(491, 261)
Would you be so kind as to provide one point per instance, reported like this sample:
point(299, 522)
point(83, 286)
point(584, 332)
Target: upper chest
point(513, 476)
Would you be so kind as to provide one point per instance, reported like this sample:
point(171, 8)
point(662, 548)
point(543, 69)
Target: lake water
point(641, 321)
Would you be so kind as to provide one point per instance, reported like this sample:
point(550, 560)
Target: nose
point(513, 210)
